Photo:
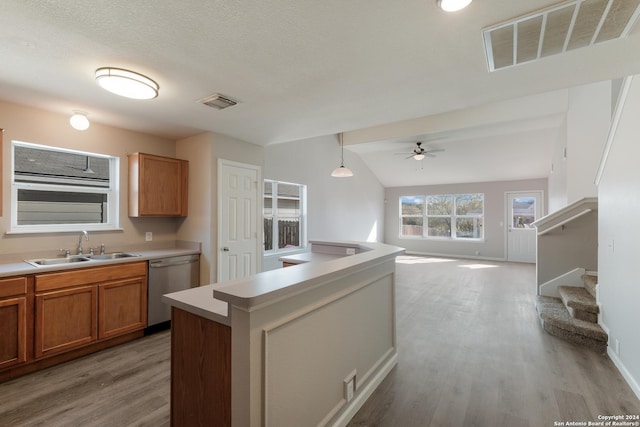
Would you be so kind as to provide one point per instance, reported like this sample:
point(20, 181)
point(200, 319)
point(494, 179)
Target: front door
point(238, 220)
point(522, 210)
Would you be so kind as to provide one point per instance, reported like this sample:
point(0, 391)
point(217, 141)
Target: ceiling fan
point(420, 153)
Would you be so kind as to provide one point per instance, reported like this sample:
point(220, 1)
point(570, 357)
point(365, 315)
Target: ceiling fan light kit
point(419, 153)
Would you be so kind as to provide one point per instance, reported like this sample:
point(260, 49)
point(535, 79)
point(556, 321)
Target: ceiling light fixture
point(452, 5)
point(419, 156)
point(79, 121)
point(126, 83)
point(341, 171)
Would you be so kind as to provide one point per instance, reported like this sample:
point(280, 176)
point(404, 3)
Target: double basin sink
point(79, 258)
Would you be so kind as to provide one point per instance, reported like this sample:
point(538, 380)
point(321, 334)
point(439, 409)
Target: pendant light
point(341, 171)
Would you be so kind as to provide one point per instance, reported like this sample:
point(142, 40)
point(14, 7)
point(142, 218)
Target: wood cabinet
point(75, 308)
point(13, 321)
point(158, 186)
point(122, 307)
point(65, 319)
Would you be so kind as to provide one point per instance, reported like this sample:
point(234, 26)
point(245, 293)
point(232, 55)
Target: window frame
point(453, 217)
point(111, 192)
point(275, 216)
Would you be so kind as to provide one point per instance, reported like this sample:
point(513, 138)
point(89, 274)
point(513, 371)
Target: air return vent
point(558, 29)
point(218, 101)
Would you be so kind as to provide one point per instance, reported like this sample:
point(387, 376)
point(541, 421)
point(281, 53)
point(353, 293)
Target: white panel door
point(238, 220)
point(522, 210)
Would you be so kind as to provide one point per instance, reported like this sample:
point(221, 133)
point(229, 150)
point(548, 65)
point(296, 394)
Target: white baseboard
point(633, 383)
point(570, 278)
point(441, 255)
point(366, 392)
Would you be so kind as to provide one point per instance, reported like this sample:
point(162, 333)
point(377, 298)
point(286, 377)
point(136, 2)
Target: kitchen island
point(303, 345)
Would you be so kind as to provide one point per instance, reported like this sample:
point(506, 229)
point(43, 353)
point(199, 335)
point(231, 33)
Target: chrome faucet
point(86, 237)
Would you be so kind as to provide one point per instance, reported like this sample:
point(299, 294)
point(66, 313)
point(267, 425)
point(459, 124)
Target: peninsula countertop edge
point(267, 287)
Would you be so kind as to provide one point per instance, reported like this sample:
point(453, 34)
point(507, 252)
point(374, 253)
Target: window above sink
point(59, 190)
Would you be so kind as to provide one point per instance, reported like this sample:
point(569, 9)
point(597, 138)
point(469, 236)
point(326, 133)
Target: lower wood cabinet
point(65, 319)
point(13, 321)
point(78, 307)
point(122, 307)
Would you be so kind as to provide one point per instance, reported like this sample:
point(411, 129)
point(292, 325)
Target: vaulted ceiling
point(299, 68)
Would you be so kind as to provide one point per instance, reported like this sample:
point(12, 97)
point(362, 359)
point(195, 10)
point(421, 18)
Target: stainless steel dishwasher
point(168, 275)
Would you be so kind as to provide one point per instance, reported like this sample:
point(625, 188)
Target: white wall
point(493, 245)
point(197, 226)
point(619, 234)
point(588, 121)
point(338, 208)
point(203, 152)
point(558, 173)
point(577, 152)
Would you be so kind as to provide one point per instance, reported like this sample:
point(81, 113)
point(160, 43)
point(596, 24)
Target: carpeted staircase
point(574, 316)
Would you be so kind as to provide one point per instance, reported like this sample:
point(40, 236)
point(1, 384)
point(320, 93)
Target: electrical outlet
point(617, 348)
point(148, 236)
point(351, 251)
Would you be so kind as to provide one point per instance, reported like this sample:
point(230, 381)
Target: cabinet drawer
point(13, 286)
point(91, 275)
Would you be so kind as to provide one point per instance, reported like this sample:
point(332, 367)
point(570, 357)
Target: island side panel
point(200, 371)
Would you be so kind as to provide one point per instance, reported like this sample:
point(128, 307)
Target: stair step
point(557, 321)
point(580, 303)
point(590, 283)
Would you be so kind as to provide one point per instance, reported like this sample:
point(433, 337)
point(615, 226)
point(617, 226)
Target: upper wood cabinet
point(158, 186)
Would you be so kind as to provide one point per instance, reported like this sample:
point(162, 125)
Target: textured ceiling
point(299, 69)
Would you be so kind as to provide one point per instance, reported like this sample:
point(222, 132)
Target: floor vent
point(567, 26)
point(218, 101)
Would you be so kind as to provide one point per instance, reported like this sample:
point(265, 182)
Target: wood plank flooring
point(471, 353)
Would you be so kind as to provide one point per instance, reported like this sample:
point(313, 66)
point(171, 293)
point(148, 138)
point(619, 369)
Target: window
point(284, 216)
point(62, 190)
point(451, 216)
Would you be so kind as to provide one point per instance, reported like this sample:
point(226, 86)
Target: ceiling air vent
point(567, 26)
point(218, 101)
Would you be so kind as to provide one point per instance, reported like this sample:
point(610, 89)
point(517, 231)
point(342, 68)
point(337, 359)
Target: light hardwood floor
point(471, 353)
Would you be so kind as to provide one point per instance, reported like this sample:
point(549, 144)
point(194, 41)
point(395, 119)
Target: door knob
point(225, 249)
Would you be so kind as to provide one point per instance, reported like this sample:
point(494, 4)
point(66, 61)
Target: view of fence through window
point(283, 215)
point(458, 216)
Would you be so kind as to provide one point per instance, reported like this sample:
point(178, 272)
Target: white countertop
point(308, 257)
point(211, 301)
point(200, 301)
point(24, 268)
point(263, 288)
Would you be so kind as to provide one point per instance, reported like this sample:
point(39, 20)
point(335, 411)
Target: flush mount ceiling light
point(126, 83)
point(341, 171)
point(79, 121)
point(452, 5)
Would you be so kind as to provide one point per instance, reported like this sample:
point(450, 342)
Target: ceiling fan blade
point(410, 156)
point(435, 150)
point(428, 154)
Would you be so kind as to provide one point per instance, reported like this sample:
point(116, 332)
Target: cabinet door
point(122, 307)
point(13, 331)
point(65, 319)
point(161, 186)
